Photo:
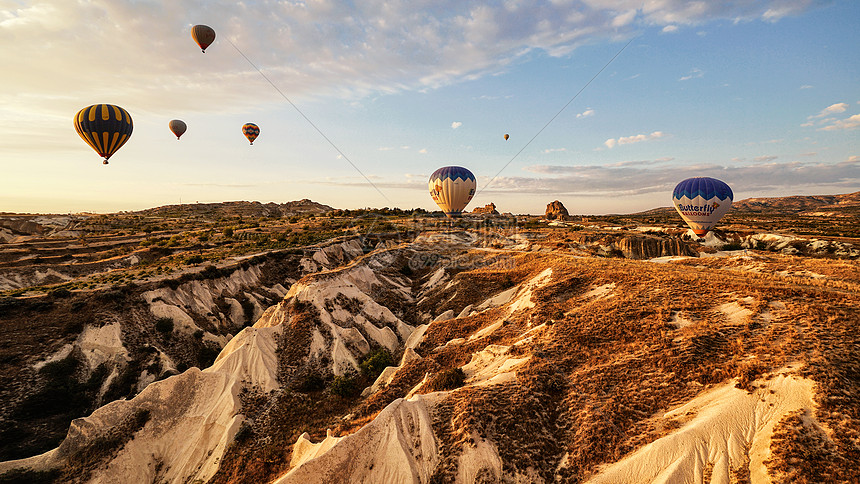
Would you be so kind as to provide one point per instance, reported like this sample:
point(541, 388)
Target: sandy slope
point(398, 446)
point(723, 430)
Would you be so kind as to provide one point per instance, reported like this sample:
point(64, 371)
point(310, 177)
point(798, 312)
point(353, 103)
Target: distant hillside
point(799, 204)
point(847, 205)
point(243, 208)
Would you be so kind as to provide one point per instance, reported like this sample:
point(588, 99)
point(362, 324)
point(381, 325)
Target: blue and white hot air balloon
point(452, 187)
point(702, 202)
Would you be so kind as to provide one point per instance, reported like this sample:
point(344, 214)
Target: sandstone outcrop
point(556, 211)
point(489, 208)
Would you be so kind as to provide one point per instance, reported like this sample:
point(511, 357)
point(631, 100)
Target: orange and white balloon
point(702, 202)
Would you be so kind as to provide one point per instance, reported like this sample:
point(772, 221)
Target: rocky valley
point(387, 346)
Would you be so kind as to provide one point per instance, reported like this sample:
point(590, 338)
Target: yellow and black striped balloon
point(104, 127)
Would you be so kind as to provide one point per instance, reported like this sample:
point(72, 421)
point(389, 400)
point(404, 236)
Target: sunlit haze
point(359, 102)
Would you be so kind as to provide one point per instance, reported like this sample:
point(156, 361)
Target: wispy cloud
point(831, 110)
point(456, 124)
point(626, 140)
point(765, 158)
point(852, 122)
point(308, 48)
point(694, 74)
point(554, 150)
point(585, 114)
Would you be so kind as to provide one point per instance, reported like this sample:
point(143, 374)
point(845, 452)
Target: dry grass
point(620, 363)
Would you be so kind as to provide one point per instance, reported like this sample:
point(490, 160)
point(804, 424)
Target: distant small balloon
point(178, 127)
point(452, 187)
point(204, 35)
point(702, 202)
point(506, 137)
point(104, 127)
point(251, 131)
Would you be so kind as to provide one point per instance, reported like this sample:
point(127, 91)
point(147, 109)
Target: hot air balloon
point(452, 187)
point(251, 131)
point(178, 127)
point(702, 202)
point(104, 127)
point(203, 35)
point(506, 137)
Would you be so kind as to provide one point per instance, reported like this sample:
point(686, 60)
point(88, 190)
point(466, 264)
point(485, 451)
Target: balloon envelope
point(104, 127)
point(204, 35)
point(702, 202)
point(251, 131)
point(506, 137)
point(452, 187)
point(178, 127)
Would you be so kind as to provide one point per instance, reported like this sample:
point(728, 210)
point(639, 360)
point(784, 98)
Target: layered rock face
point(645, 247)
point(556, 211)
point(635, 246)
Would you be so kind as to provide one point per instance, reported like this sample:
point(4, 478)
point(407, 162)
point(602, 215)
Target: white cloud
point(554, 150)
point(456, 124)
point(843, 124)
point(829, 110)
point(806, 86)
point(694, 74)
point(784, 9)
point(624, 19)
point(626, 140)
point(423, 151)
point(669, 29)
point(588, 112)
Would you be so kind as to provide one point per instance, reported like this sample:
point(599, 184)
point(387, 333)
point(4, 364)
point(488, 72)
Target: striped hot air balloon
point(204, 35)
point(702, 202)
point(251, 131)
point(104, 127)
point(452, 187)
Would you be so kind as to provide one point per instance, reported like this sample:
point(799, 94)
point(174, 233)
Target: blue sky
point(764, 95)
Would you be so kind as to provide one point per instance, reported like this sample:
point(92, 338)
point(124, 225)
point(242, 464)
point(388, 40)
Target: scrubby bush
point(447, 380)
point(245, 432)
point(311, 382)
point(248, 309)
point(194, 259)
point(375, 362)
point(164, 325)
point(206, 356)
point(345, 386)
